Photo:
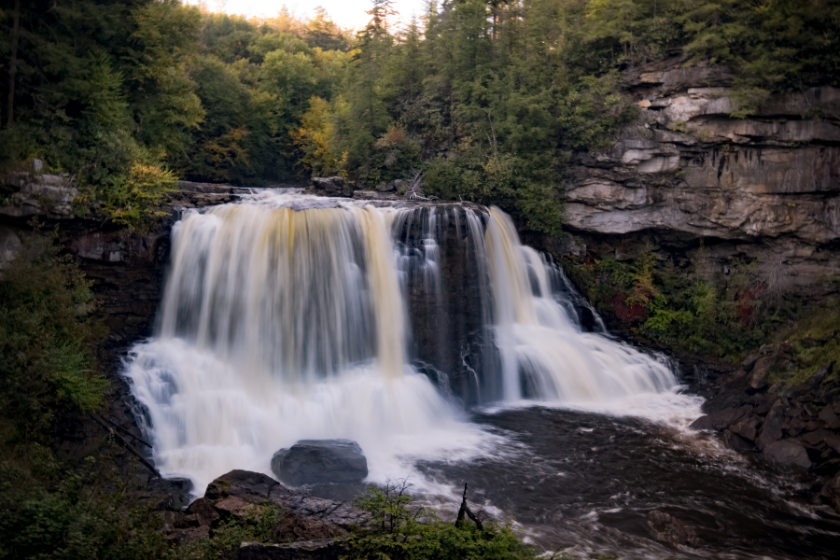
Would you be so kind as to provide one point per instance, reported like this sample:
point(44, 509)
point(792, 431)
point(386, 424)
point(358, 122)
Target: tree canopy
point(488, 98)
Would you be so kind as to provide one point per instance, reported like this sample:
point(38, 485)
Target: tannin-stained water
point(588, 482)
point(286, 317)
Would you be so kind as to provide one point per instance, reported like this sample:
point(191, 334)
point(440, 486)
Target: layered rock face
point(763, 187)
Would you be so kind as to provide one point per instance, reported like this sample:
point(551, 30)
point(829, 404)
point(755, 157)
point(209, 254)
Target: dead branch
point(127, 445)
point(126, 432)
point(465, 509)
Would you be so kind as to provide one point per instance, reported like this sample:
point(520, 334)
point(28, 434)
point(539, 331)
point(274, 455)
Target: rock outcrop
point(29, 194)
point(764, 187)
point(312, 522)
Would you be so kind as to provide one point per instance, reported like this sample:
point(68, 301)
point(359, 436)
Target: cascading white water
point(542, 348)
point(278, 325)
point(283, 318)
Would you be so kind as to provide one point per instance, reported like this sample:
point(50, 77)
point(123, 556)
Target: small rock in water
point(670, 530)
point(313, 461)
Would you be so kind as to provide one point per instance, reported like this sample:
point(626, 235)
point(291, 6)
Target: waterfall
point(545, 353)
point(290, 317)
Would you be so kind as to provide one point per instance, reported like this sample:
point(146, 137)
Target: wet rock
point(746, 428)
point(330, 186)
point(833, 441)
point(792, 427)
point(320, 461)
point(721, 419)
point(760, 372)
point(771, 430)
point(733, 398)
point(830, 493)
point(736, 442)
point(788, 453)
point(828, 468)
point(250, 486)
point(816, 439)
point(670, 530)
point(322, 549)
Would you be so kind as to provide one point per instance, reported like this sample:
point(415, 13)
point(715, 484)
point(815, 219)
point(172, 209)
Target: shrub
point(45, 334)
point(676, 308)
point(405, 533)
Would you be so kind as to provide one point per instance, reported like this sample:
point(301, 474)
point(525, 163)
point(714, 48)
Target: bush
point(45, 334)
point(405, 533)
point(678, 309)
point(72, 521)
point(128, 198)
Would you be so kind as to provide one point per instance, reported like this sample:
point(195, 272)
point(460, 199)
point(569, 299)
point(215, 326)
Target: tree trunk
point(10, 119)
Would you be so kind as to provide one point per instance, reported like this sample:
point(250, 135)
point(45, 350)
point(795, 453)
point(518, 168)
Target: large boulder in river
point(319, 461)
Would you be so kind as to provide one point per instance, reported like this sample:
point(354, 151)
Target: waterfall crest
point(286, 292)
point(290, 317)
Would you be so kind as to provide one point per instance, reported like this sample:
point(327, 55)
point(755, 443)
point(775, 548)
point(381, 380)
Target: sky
point(346, 13)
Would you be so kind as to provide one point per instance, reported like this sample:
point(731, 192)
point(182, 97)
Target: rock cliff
point(764, 187)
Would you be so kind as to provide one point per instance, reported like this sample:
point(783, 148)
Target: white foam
point(209, 419)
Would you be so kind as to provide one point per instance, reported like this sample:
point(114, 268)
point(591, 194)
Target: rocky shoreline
point(797, 428)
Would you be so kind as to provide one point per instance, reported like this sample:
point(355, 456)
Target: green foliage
point(811, 342)
point(44, 337)
point(593, 110)
point(48, 508)
point(678, 309)
point(403, 534)
point(73, 520)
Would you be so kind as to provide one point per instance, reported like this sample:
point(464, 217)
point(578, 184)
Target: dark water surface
point(575, 478)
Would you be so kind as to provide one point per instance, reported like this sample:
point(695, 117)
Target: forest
point(488, 99)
